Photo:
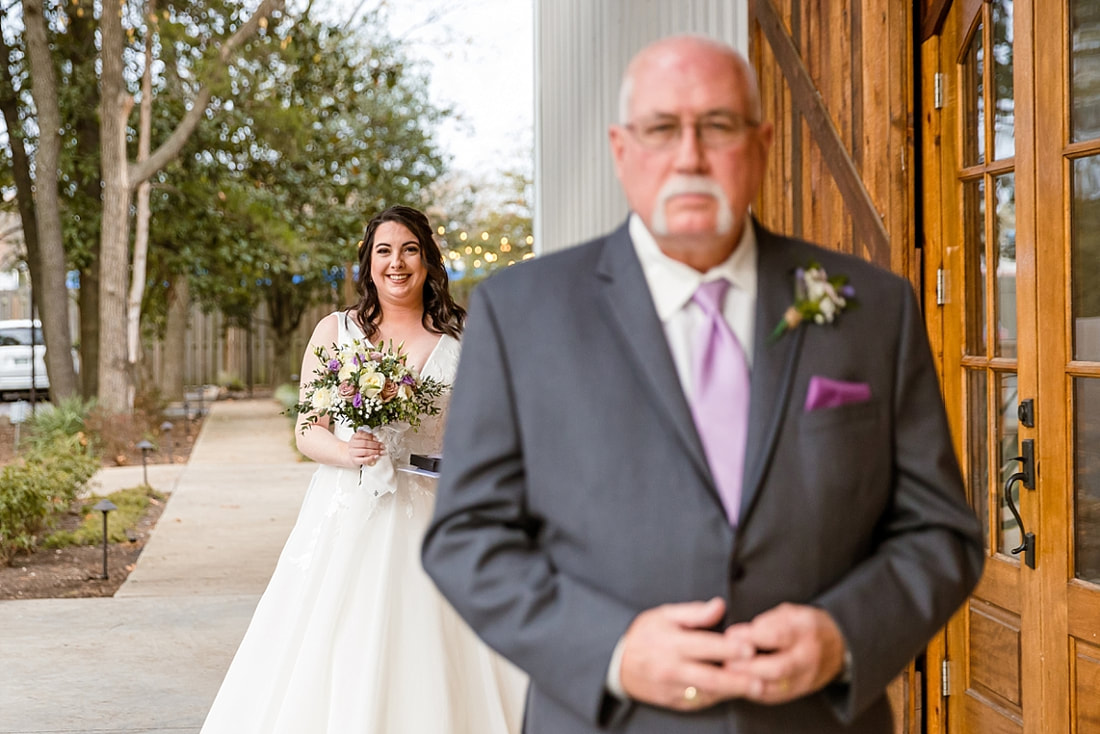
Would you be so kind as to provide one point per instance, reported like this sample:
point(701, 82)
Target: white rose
point(371, 383)
point(321, 400)
point(405, 392)
point(828, 309)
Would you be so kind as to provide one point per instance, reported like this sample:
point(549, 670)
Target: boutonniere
point(817, 297)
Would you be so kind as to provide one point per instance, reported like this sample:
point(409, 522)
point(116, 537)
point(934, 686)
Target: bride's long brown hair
point(441, 314)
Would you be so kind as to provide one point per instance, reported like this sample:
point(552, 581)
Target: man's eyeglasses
point(712, 131)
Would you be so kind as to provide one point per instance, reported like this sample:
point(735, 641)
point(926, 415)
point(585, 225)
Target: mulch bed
point(77, 571)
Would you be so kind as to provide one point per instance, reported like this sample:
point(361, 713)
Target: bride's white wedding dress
point(351, 637)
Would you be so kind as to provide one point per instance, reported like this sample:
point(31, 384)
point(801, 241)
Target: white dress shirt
point(672, 285)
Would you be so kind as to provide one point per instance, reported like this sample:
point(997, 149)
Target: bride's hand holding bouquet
point(370, 389)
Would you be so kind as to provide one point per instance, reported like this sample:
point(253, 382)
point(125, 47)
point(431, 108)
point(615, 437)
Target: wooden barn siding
point(858, 55)
point(854, 124)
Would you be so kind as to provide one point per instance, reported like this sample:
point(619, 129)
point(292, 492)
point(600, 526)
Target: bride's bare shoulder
point(327, 330)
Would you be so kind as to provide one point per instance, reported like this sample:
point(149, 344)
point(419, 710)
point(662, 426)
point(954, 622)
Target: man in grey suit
point(588, 524)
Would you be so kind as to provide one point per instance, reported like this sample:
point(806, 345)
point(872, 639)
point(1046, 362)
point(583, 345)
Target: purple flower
point(357, 401)
point(847, 291)
point(408, 380)
point(334, 365)
point(357, 360)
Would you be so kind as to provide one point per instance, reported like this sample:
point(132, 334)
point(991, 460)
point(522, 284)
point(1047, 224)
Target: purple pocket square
point(826, 393)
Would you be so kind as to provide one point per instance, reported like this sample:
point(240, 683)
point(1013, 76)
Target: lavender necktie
point(720, 396)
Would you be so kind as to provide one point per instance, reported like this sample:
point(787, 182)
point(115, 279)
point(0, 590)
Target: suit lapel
point(628, 301)
point(774, 361)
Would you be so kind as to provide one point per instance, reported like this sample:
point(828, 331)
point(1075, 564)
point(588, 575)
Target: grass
point(132, 504)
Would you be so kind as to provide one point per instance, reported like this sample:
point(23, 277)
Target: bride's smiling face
point(396, 266)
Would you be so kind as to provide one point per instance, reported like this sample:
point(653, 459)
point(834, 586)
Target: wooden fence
point(213, 353)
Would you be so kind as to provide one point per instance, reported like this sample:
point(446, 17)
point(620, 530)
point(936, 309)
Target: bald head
point(668, 52)
point(691, 148)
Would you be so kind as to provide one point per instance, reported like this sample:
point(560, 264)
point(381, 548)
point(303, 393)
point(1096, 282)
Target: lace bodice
point(441, 365)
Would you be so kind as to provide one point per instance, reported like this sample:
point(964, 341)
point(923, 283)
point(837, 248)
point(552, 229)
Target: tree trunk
point(21, 166)
point(84, 29)
point(141, 230)
point(51, 294)
point(175, 339)
point(115, 383)
point(285, 363)
point(88, 301)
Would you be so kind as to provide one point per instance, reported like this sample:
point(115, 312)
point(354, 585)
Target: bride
point(351, 637)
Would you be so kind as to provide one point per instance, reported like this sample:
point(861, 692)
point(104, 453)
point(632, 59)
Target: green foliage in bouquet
point(366, 387)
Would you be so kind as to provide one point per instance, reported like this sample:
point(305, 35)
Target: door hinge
point(941, 295)
point(945, 678)
point(937, 93)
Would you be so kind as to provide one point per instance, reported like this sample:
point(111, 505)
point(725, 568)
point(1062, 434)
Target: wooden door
point(1012, 214)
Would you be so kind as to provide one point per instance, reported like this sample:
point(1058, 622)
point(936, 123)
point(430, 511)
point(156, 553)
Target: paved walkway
point(150, 659)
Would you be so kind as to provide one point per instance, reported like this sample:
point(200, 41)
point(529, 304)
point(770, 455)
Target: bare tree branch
point(170, 148)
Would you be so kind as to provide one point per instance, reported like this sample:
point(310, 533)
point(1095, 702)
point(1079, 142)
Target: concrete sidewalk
point(151, 658)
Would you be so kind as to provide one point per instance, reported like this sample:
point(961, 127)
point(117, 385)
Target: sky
point(480, 60)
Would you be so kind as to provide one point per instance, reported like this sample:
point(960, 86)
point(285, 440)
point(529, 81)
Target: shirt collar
point(672, 283)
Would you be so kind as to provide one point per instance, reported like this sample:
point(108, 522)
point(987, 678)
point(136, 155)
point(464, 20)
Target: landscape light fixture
point(166, 430)
point(146, 446)
point(105, 506)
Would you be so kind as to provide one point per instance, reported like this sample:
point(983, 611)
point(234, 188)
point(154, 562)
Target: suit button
point(737, 571)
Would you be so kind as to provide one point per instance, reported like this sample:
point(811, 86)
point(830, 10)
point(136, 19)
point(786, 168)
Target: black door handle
point(1027, 547)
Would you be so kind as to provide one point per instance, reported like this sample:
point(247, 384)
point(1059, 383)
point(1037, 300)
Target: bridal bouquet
point(374, 390)
point(367, 387)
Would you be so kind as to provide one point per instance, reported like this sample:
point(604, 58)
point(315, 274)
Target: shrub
point(64, 419)
point(39, 486)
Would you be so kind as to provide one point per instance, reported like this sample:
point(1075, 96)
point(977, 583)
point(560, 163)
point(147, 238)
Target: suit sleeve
point(928, 549)
point(483, 549)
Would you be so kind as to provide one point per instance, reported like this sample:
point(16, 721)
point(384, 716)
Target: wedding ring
point(690, 694)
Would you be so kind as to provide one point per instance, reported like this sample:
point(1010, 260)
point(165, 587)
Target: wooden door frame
point(935, 232)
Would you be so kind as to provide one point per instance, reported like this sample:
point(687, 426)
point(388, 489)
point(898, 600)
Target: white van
point(15, 357)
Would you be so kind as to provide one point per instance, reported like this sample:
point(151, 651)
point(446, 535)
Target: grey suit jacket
point(575, 492)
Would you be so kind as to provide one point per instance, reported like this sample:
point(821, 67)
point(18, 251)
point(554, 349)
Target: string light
point(483, 256)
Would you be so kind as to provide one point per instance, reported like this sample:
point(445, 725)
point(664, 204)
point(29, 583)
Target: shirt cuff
point(614, 683)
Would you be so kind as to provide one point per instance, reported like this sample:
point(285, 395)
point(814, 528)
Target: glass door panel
point(975, 275)
point(1085, 257)
point(1086, 460)
point(973, 100)
point(1009, 449)
point(1004, 113)
point(1004, 237)
point(977, 447)
point(1084, 70)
